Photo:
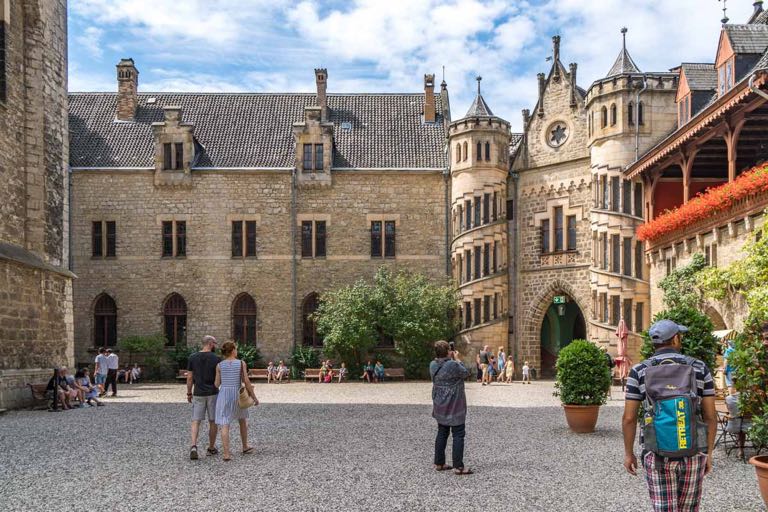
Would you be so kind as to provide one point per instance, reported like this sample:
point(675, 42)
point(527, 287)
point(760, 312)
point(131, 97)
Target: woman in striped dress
point(230, 373)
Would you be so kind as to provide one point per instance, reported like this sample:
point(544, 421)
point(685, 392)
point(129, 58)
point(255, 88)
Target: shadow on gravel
point(133, 456)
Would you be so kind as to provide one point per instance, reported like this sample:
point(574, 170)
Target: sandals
point(248, 450)
point(226, 459)
point(463, 471)
point(212, 451)
point(193, 453)
point(443, 467)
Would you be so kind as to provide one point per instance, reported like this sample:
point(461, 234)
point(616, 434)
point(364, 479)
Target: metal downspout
point(446, 182)
point(293, 256)
point(513, 260)
point(69, 219)
point(637, 117)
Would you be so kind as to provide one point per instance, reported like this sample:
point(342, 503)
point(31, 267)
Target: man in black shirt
point(201, 372)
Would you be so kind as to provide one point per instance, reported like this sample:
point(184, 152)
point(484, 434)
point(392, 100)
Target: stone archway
point(548, 328)
point(718, 324)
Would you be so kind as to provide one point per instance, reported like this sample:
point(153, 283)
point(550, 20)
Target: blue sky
point(382, 45)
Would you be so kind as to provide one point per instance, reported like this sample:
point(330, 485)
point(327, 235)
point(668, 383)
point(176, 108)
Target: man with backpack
point(678, 422)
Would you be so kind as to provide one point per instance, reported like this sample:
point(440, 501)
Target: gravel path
point(340, 447)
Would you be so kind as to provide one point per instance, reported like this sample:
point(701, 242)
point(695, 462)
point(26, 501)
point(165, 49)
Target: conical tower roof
point(479, 107)
point(624, 62)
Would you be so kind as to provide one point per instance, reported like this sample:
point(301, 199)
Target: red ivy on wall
point(711, 202)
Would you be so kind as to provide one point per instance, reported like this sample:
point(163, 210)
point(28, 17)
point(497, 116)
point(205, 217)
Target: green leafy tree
point(583, 376)
point(150, 350)
point(683, 301)
point(302, 358)
point(698, 342)
point(346, 318)
point(405, 306)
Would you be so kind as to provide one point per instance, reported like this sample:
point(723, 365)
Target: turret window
point(466, 152)
point(613, 114)
point(603, 117)
point(479, 155)
point(631, 114)
point(640, 119)
point(458, 153)
point(487, 151)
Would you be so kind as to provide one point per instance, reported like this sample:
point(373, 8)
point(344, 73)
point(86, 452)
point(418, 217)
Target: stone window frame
point(173, 156)
point(99, 311)
point(549, 214)
point(384, 218)
point(244, 218)
point(314, 219)
point(241, 318)
point(167, 311)
point(309, 326)
point(458, 152)
point(614, 116)
point(466, 151)
point(174, 219)
point(104, 242)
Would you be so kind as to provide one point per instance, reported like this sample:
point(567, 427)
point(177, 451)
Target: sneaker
point(193, 453)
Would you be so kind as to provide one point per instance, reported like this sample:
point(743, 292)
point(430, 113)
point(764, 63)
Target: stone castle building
point(231, 214)
point(36, 327)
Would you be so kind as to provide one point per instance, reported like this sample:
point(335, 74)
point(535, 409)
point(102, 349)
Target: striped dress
point(227, 408)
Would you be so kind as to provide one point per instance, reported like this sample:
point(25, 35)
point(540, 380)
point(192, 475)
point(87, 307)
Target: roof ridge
point(244, 93)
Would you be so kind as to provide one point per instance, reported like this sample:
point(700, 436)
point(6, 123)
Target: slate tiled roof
point(700, 76)
point(749, 38)
point(479, 108)
point(623, 64)
point(255, 130)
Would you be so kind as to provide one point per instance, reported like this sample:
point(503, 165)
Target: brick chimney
point(321, 79)
point(429, 98)
point(127, 90)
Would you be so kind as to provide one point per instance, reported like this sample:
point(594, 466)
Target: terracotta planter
point(761, 467)
point(581, 418)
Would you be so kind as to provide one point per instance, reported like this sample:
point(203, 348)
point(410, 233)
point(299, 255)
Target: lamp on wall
point(561, 309)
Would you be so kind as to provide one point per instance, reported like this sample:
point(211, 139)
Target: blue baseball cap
point(664, 330)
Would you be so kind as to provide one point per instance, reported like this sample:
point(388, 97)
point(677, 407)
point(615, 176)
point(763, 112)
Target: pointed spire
point(624, 63)
point(479, 107)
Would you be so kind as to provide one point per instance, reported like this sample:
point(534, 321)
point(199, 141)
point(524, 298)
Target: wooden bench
point(182, 375)
point(39, 395)
point(394, 373)
point(261, 373)
point(313, 374)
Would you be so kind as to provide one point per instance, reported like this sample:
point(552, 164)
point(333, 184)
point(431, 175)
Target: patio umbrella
point(622, 360)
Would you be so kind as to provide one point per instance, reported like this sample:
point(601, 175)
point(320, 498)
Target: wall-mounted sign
point(559, 299)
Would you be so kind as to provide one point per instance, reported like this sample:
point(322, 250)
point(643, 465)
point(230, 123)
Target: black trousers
point(111, 379)
point(441, 441)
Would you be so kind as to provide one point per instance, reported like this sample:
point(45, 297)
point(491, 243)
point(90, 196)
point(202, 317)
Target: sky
point(382, 45)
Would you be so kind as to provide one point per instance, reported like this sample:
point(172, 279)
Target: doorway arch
point(562, 323)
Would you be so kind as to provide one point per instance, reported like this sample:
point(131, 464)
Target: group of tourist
point(71, 391)
point(373, 373)
point(498, 366)
point(327, 372)
point(276, 374)
point(220, 390)
point(107, 371)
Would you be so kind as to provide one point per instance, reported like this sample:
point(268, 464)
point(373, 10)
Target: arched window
point(589, 126)
point(104, 322)
point(640, 113)
point(458, 152)
point(309, 325)
point(613, 114)
point(631, 114)
point(244, 319)
point(466, 152)
point(175, 320)
point(487, 151)
point(603, 117)
point(479, 153)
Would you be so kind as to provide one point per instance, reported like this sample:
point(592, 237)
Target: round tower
point(627, 112)
point(479, 144)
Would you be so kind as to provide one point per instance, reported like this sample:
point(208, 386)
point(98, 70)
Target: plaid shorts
point(674, 485)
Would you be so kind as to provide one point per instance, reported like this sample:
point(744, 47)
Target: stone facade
point(35, 285)
point(209, 278)
point(479, 145)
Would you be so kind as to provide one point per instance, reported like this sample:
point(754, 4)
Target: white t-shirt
point(525, 369)
point(101, 364)
point(112, 362)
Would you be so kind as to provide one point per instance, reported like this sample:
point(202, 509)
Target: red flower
point(711, 202)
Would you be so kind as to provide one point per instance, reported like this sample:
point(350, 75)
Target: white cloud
point(387, 46)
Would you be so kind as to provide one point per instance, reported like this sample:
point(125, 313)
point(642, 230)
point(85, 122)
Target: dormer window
point(173, 156)
point(313, 157)
point(725, 77)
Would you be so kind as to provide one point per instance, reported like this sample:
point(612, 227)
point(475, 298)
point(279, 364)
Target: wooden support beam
point(735, 124)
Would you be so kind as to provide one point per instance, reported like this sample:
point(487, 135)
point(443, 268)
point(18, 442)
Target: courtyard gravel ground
point(333, 447)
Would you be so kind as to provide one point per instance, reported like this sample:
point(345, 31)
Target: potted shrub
point(583, 382)
point(758, 434)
